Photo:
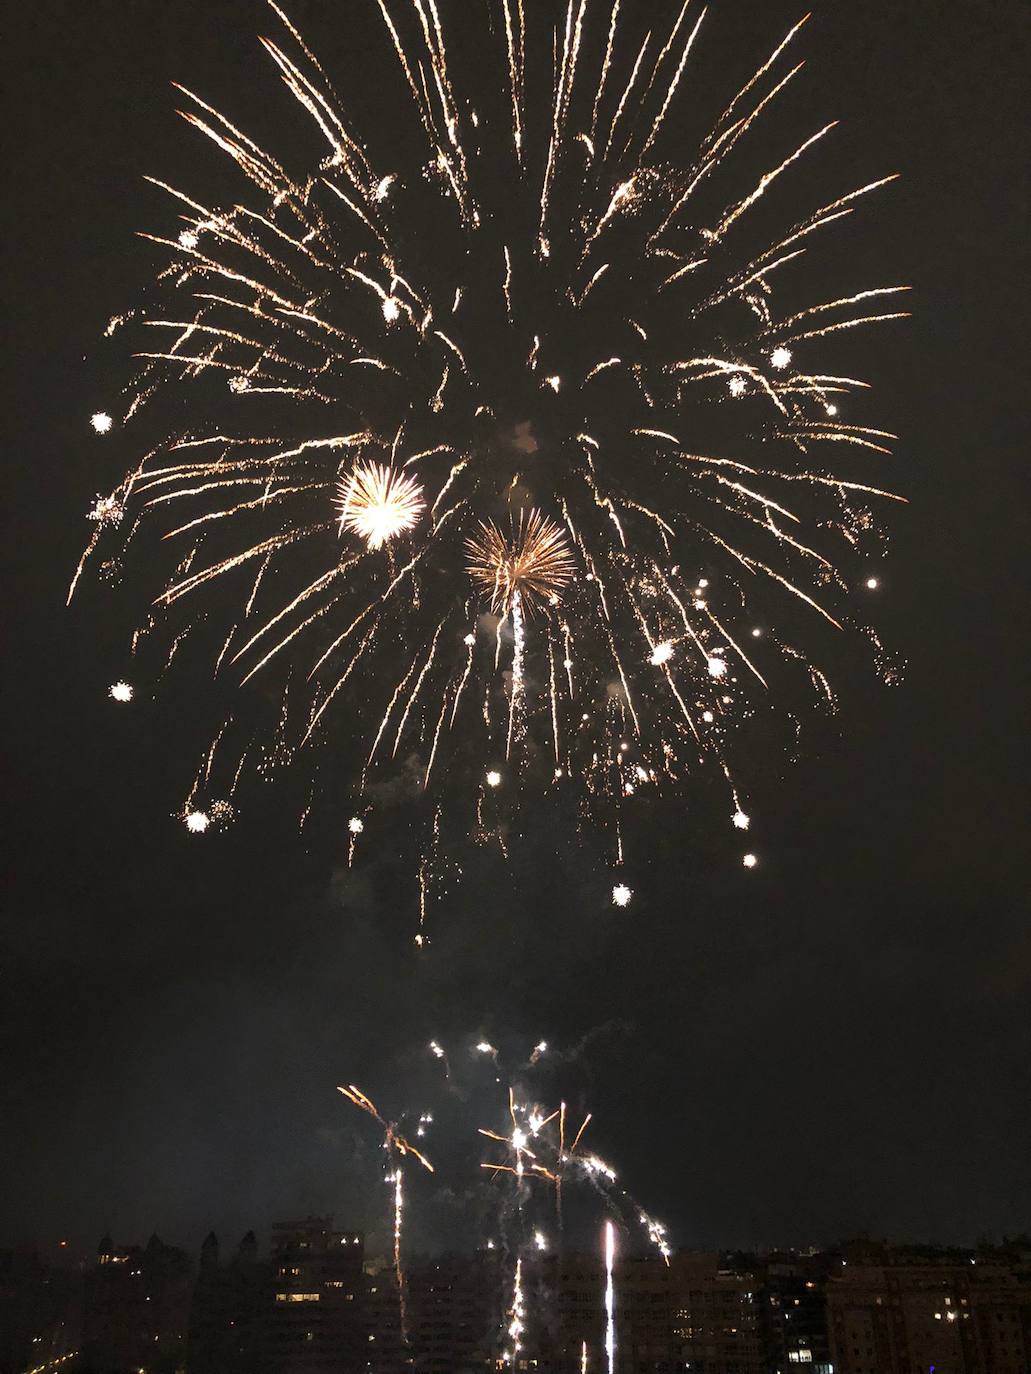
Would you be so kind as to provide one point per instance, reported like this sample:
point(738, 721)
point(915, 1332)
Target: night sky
point(836, 1042)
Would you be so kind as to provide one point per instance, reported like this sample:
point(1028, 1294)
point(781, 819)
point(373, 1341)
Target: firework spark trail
point(396, 1145)
point(368, 534)
point(610, 1297)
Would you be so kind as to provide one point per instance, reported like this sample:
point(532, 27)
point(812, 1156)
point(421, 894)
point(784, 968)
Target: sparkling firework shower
point(530, 449)
point(534, 1155)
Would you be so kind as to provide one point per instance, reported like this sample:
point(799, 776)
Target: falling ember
point(377, 503)
point(741, 821)
point(120, 691)
point(196, 822)
point(621, 895)
point(610, 1297)
point(101, 422)
point(529, 566)
point(107, 510)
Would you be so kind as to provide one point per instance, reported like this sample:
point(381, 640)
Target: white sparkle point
point(716, 666)
point(662, 653)
point(493, 778)
point(188, 238)
point(621, 894)
point(708, 717)
point(756, 633)
point(553, 382)
point(831, 409)
point(737, 385)
point(196, 822)
point(780, 357)
point(469, 640)
point(101, 422)
point(356, 825)
point(391, 309)
point(120, 691)
point(872, 584)
point(741, 821)
point(485, 1047)
point(749, 861)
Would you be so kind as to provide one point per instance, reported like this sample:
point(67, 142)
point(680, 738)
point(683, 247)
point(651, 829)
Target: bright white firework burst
point(378, 504)
point(549, 314)
point(120, 691)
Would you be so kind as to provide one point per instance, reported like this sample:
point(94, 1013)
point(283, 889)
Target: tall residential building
point(136, 1307)
point(315, 1322)
point(227, 1317)
point(926, 1311)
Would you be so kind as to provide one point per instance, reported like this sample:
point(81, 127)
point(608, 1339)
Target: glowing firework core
point(101, 422)
point(621, 894)
point(377, 504)
point(120, 691)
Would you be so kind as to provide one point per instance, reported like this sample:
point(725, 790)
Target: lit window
point(297, 1297)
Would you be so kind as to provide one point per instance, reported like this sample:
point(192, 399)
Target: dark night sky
point(839, 1041)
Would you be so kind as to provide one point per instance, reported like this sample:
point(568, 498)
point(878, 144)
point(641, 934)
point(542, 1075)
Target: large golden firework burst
point(532, 562)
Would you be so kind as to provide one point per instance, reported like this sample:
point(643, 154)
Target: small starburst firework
point(531, 564)
point(377, 503)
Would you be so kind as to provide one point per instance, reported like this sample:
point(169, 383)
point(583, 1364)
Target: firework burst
point(533, 1154)
point(376, 504)
point(529, 566)
point(532, 443)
